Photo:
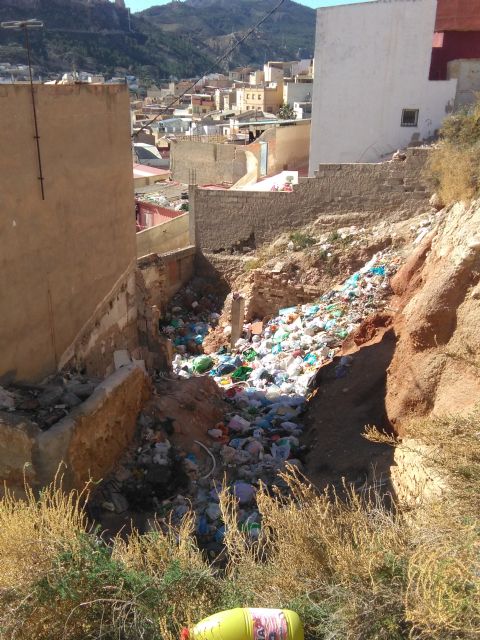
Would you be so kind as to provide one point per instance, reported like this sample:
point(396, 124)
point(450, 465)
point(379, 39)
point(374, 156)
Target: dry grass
point(454, 165)
point(33, 531)
point(338, 562)
point(352, 568)
point(442, 598)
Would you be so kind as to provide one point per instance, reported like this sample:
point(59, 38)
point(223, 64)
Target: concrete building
point(274, 71)
point(240, 74)
point(371, 92)
point(457, 35)
point(257, 77)
point(70, 257)
point(297, 90)
point(202, 103)
point(303, 110)
point(268, 97)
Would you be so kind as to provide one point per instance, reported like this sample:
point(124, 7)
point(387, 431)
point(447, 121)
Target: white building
point(297, 91)
point(371, 91)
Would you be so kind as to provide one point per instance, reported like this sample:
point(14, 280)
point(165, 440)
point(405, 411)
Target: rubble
point(46, 403)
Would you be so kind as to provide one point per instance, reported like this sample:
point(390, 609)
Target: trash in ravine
point(267, 378)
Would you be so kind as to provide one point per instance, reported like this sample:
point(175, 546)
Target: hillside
point(97, 38)
point(287, 34)
point(181, 39)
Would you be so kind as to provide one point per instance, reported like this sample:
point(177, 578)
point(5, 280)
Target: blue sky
point(138, 5)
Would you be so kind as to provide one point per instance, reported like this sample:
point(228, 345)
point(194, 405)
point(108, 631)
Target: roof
point(277, 122)
point(144, 171)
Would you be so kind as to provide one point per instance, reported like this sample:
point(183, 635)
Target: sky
point(138, 5)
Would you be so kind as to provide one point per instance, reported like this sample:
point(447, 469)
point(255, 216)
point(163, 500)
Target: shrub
point(454, 164)
point(301, 240)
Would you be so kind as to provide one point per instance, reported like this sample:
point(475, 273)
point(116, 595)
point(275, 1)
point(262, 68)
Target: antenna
point(25, 25)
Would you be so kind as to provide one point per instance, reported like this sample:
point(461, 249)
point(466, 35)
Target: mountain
point(181, 38)
point(286, 35)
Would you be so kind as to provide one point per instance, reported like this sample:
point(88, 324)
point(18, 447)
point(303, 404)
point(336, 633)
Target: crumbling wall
point(17, 441)
point(390, 190)
point(112, 326)
point(96, 434)
point(84, 445)
point(274, 290)
point(158, 279)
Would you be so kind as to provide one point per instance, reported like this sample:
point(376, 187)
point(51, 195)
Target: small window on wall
point(409, 117)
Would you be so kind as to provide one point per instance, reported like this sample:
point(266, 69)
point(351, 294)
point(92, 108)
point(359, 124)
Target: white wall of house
point(297, 92)
point(372, 61)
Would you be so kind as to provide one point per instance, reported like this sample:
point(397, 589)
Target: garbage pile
point(256, 427)
point(46, 403)
point(266, 378)
point(192, 314)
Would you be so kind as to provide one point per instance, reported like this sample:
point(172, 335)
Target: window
point(248, 96)
point(409, 117)
point(259, 96)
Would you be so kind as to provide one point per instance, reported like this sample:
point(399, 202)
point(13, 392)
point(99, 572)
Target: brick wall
point(390, 190)
point(273, 291)
point(159, 277)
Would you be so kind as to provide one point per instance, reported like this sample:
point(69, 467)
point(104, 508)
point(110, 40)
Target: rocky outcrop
point(436, 365)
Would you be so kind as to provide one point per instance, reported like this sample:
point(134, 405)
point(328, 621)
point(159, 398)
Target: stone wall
point(390, 190)
point(84, 445)
point(273, 291)
point(163, 275)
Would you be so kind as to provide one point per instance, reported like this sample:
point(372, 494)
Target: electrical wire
point(212, 69)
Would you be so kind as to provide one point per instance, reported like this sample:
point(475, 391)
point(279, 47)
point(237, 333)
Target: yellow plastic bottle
point(248, 624)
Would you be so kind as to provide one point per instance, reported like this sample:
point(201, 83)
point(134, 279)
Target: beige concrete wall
point(168, 236)
point(467, 73)
point(291, 149)
point(213, 163)
point(345, 193)
point(62, 256)
point(17, 443)
point(288, 147)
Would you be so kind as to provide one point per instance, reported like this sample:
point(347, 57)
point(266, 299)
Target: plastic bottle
point(248, 624)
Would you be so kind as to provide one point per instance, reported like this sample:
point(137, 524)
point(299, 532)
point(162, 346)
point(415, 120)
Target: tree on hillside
point(286, 112)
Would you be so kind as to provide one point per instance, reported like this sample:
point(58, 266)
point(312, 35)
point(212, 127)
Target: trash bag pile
point(267, 378)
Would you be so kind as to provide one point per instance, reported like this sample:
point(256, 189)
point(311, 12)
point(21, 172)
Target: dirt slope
point(423, 359)
point(436, 365)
